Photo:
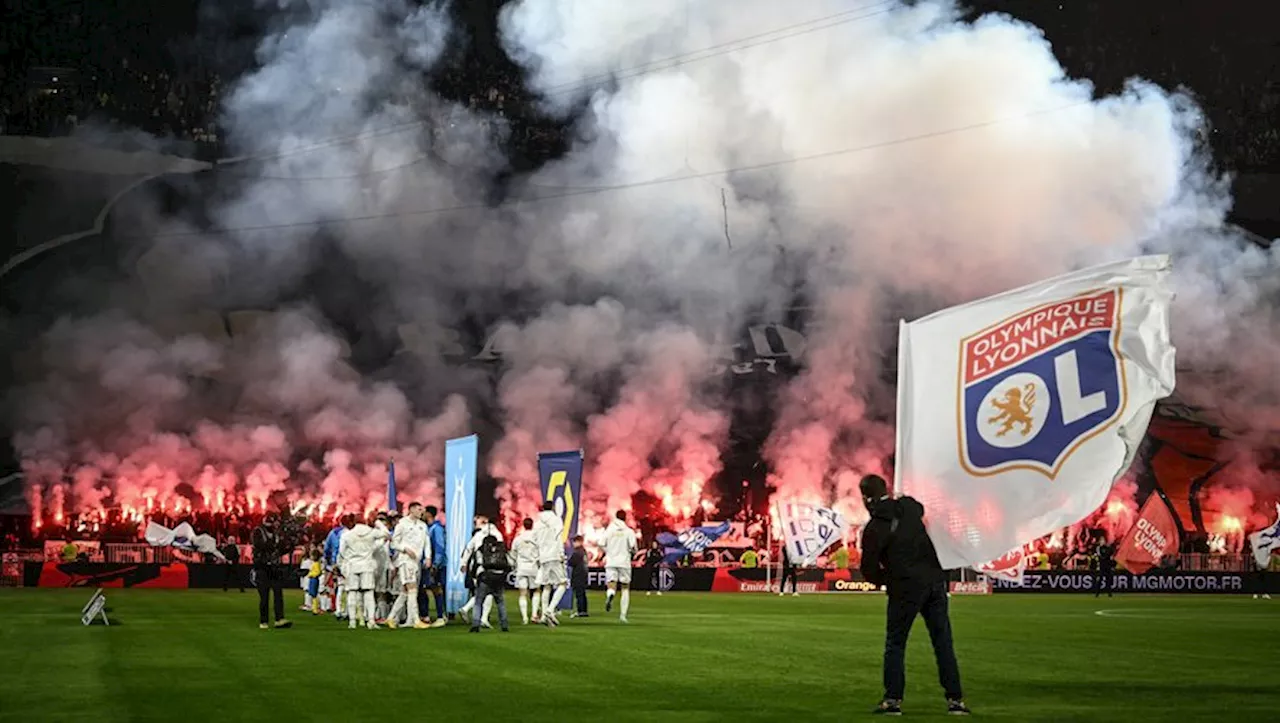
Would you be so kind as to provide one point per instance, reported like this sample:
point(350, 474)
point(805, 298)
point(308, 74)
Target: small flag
point(391, 487)
point(810, 530)
point(1266, 541)
point(692, 540)
point(182, 537)
point(1153, 536)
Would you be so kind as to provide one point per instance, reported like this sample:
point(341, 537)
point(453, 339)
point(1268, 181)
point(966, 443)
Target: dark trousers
point(1103, 579)
point(483, 590)
point(580, 599)
point(788, 573)
point(424, 597)
point(268, 583)
point(906, 601)
point(231, 576)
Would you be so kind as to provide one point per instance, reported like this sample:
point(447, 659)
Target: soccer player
point(619, 550)
point(383, 584)
point(549, 531)
point(356, 556)
point(525, 550)
point(471, 561)
point(897, 553)
point(438, 562)
point(412, 545)
point(331, 560)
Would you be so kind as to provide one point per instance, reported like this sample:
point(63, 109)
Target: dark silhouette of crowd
point(132, 81)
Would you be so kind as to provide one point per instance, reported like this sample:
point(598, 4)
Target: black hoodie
point(901, 555)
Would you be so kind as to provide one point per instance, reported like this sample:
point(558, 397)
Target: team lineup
point(390, 572)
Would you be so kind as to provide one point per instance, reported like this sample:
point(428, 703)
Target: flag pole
point(768, 550)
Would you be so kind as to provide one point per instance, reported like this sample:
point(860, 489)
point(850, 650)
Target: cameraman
point(897, 553)
point(269, 546)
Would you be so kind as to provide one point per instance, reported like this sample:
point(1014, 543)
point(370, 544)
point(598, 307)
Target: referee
point(898, 554)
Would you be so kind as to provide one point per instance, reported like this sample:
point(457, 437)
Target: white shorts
point(551, 574)
point(526, 581)
point(410, 573)
point(620, 575)
point(360, 581)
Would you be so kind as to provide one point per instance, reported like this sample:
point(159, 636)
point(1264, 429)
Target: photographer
point(270, 543)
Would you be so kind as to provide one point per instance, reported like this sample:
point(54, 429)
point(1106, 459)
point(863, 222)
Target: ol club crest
point(1039, 384)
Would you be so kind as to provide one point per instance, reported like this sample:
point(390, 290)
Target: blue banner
point(694, 539)
point(560, 474)
point(460, 507)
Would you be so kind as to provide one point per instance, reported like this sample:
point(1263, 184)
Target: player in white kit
point(549, 532)
point(525, 550)
point(619, 550)
point(412, 545)
point(356, 556)
point(383, 571)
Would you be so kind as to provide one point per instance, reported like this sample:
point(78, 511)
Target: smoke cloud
point(876, 159)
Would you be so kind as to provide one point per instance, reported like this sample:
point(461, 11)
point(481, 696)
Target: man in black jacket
point(231, 570)
point(898, 554)
point(578, 577)
point(269, 545)
point(1104, 568)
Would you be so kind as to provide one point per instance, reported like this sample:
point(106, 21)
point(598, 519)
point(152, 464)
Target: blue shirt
point(331, 545)
point(438, 557)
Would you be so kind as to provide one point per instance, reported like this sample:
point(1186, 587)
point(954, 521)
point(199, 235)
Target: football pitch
point(199, 655)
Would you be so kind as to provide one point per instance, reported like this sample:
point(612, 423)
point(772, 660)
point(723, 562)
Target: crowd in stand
point(184, 105)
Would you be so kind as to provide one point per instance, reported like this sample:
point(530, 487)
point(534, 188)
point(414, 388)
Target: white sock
point(395, 609)
point(471, 603)
point(537, 602)
point(555, 600)
point(413, 607)
point(524, 606)
point(353, 605)
point(488, 607)
point(306, 600)
point(370, 607)
point(626, 600)
point(342, 600)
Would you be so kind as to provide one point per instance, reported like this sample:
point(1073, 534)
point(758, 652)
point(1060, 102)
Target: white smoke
point(911, 160)
point(887, 158)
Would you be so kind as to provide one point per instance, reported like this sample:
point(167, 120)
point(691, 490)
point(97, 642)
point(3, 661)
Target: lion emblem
point(1015, 410)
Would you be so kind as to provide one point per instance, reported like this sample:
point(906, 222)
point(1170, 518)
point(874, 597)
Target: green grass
point(197, 655)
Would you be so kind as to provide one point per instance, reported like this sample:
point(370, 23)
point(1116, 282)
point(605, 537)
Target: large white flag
point(809, 530)
point(183, 537)
point(1266, 541)
point(1017, 412)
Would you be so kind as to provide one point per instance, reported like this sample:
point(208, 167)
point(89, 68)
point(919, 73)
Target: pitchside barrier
point(690, 579)
point(1206, 582)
